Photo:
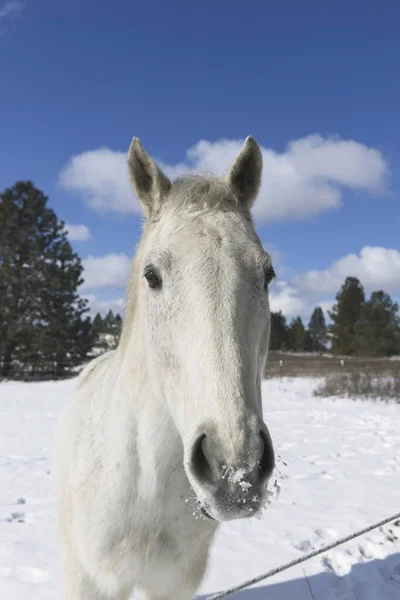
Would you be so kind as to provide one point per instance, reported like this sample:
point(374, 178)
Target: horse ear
point(244, 176)
point(148, 181)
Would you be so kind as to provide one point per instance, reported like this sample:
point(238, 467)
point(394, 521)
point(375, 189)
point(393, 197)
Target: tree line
point(44, 322)
point(295, 337)
point(107, 329)
point(358, 326)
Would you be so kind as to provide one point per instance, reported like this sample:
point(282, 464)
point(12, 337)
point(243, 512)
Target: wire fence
point(292, 365)
point(278, 365)
point(40, 370)
point(302, 559)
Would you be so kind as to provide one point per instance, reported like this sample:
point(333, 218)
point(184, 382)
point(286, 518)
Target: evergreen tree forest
point(107, 329)
point(358, 326)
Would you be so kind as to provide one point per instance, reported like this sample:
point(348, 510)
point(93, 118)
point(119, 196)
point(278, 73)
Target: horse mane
point(199, 192)
point(131, 294)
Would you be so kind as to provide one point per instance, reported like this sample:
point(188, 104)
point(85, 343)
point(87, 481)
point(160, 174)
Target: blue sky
point(315, 82)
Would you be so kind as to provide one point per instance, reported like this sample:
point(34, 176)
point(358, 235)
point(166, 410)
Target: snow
point(343, 473)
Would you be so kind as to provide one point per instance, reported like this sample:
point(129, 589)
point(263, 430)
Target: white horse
point(165, 438)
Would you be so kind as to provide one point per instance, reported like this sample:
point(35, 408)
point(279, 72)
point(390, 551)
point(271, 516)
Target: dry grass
point(361, 385)
point(374, 378)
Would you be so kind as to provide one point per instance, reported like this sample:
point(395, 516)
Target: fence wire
point(302, 559)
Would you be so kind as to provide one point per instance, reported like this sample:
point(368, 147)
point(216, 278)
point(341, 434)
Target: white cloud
point(278, 259)
point(96, 305)
point(376, 267)
point(78, 233)
point(100, 177)
point(304, 180)
point(326, 306)
point(109, 271)
point(11, 9)
point(286, 298)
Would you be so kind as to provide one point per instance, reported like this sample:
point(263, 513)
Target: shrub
point(361, 385)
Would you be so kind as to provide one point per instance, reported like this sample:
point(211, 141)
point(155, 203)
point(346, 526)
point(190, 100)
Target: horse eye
point(152, 277)
point(269, 276)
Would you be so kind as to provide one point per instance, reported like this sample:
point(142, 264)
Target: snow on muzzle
point(235, 488)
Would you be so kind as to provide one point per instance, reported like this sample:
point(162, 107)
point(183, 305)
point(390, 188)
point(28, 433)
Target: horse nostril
point(267, 462)
point(199, 463)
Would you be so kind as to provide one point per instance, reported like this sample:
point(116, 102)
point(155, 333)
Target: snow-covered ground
point(343, 473)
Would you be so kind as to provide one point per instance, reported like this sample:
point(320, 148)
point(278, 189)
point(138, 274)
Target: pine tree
point(41, 314)
point(109, 322)
point(117, 324)
point(278, 332)
point(378, 331)
point(308, 342)
point(345, 315)
point(114, 326)
point(97, 326)
point(108, 329)
point(317, 331)
point(296, 335)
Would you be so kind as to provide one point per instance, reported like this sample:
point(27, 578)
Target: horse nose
point(267, 461)
point(199, 463)
point(208, 472)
